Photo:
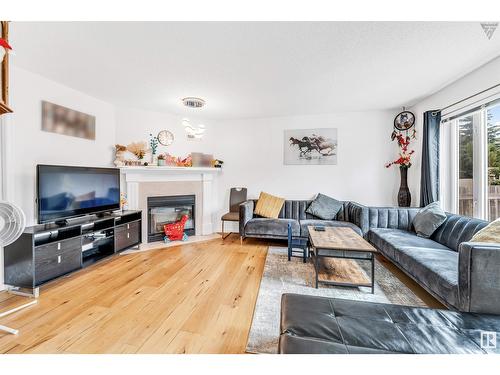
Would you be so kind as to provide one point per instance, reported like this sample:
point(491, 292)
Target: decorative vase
point(404, 196)
point(154, 159)
point(161, 162)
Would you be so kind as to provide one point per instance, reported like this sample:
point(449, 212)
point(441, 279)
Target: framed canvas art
point(62, 120)
point(310, 146)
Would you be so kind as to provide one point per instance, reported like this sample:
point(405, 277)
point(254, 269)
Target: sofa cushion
point(428, 220)
point(272, 227)
point(327, 223)
point(392, 217)
point(436, 269)
point(324, 207)
point(490, 233)
point(457, 229)
point(388, 240)
point(269, 206)
point(296, 209)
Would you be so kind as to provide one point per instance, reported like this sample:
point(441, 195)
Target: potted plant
point(161, 160)
point(404, 162)
point(153, 144)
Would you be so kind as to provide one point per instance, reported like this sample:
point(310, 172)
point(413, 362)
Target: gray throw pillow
point(324, 207)
point(428, 220)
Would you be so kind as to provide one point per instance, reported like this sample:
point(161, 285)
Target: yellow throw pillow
point(268, 206)
point(490, 233)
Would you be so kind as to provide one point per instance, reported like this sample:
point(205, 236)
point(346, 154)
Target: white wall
point(252, 151)
point(133, 125)
point(31, 146)
point(474, 82)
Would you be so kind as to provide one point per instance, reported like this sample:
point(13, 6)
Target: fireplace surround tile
point(141, 183)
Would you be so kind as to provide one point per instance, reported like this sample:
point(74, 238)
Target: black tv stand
point(47, 251)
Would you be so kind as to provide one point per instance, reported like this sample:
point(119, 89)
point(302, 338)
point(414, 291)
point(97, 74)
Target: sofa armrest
point(358, 215)
point(246, 214)
point(479, 277)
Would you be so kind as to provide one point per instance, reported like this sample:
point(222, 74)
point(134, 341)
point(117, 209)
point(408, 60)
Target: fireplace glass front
point(169, 209)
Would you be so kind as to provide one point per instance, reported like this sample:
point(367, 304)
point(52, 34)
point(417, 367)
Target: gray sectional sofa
point(294, 212)
point(463, 275)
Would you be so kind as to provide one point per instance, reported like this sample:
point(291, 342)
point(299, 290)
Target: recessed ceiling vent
point(192, 102)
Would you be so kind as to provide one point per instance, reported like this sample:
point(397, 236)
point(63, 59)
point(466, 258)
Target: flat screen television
point(64, 192)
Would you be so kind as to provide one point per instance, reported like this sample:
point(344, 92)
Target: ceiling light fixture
point(193, 102)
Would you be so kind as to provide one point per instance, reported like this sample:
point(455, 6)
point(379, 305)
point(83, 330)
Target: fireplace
point(168, 209)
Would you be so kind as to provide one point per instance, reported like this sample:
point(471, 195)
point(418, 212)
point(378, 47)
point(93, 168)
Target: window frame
point(449, 170)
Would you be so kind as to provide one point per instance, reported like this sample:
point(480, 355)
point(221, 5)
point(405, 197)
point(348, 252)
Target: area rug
point(281, 276)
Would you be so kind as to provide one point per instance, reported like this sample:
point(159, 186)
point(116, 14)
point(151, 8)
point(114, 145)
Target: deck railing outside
point(466, 201)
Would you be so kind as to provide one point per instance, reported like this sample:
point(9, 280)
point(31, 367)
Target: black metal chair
point(236, 197)
point(297, 245)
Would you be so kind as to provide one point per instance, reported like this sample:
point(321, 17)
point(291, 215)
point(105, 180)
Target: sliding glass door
point(475, 163)
point(466, 191)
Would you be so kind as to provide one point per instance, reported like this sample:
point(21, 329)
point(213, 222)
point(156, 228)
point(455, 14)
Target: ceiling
point(256, 69)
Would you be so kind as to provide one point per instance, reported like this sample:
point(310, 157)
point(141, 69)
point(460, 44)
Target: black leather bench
point(337, 326)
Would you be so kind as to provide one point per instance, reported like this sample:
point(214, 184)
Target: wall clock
point(404, 121)
point(165, 137)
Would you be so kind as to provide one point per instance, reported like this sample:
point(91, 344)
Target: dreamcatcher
point(404, 125)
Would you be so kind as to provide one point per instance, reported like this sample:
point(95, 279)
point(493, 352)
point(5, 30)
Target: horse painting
point(311, 147)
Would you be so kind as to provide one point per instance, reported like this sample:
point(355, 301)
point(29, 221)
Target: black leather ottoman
point(338, 326)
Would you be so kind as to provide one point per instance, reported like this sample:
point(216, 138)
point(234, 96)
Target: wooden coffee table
point(341, 242)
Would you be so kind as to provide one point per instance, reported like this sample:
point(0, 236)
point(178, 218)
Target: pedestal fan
point(12, 222)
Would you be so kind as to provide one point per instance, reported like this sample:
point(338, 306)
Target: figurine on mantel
point(172, 161)
point(120, 155)
point(133, 156)
point(139, 149)
point(217, 163)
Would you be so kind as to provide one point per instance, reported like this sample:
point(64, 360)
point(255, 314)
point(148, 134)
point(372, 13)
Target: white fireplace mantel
point(167, 171)
point(134, 176)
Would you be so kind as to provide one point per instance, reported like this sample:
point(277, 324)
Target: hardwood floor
point(192, 298)
point(195, 298)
